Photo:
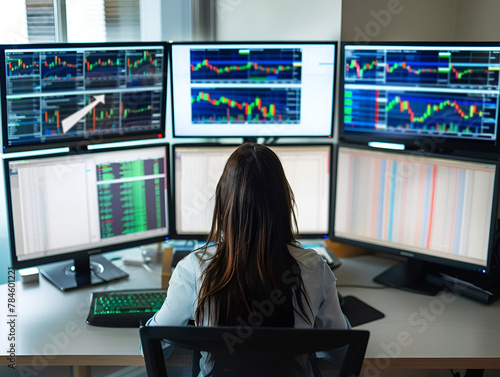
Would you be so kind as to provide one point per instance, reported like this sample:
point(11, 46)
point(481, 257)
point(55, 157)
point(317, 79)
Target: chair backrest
point(256, 344)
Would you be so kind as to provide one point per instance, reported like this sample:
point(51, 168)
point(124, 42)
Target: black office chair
point(256, 352)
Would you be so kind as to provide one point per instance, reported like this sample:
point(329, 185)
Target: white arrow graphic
point(68, 123)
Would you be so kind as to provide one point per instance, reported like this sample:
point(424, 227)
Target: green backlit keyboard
point(124, 308)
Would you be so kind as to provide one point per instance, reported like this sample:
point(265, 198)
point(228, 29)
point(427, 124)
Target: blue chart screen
point(246, 65)
point(253, 89)
point(245, 105)
point(416, 90)
point(248, 104)
point(122, 88)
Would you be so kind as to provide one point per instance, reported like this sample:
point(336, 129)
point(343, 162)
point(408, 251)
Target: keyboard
point(124, 308)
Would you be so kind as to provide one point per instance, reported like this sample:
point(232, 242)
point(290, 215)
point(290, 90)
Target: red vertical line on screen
point(376, 108)
point(228, 115)
point(431, 207)
point(93, 117)
point(57, 120)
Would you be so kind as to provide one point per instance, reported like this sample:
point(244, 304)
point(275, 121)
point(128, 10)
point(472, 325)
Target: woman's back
point(252, 272)
point(251, 229)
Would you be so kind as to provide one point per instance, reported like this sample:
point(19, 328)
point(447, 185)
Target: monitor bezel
point(250, 43)
point(80, 142)
point(429, 143)
point(92, 250)
point(174, 234)
point(411, 254)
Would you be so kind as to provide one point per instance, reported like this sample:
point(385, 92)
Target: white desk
point(51, 328)
point(422, 332)
point(418, 332)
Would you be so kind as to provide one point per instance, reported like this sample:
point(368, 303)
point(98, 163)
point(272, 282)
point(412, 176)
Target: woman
point(252, 271)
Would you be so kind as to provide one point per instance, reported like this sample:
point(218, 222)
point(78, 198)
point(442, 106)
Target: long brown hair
point(252, 277)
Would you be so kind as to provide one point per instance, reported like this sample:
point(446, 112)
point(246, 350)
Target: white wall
point(399, 20)
point(278, 20)
point(477, 20)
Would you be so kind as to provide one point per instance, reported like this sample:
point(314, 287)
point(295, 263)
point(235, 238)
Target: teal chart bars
point(399, 91)
point(253, 89)
point(81, 94)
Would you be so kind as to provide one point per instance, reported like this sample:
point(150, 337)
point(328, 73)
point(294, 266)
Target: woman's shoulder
point(203, 255)
point(307, 257)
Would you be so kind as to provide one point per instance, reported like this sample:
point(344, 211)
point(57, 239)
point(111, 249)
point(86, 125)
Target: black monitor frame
point(81, 141)
point(82, 266)
point(174, 234)
point(264, 133)
point(438, 142)
point(418, 271)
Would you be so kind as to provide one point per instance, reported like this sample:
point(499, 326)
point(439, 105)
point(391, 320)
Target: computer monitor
point(55, 95)
point(438, 97)
point(436, 209)
point(71, 206)
point(198, 168)
point(253, 89)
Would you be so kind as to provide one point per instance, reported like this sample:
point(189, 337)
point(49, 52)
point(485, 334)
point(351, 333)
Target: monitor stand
point(82, 272)
point(408, 276)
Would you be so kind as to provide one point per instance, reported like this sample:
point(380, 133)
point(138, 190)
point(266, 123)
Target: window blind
point(122, 20)
point(87, 21)
point(40, 20)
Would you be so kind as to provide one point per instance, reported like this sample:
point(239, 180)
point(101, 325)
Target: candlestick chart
point(141, 109)
point(248, 105)
point(427, 67)
point(460, 114)
point(144, 68)
point(46, 85)
point(61, 71)
point(56, 108)
point(104, 116)
point(400, 90)
point(246, 66)
point(105, 69)
point(366, 67)
point(22, 72)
